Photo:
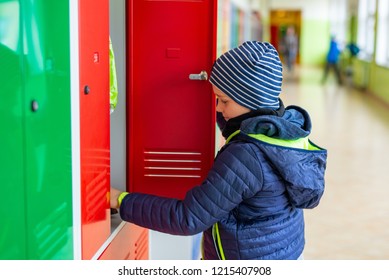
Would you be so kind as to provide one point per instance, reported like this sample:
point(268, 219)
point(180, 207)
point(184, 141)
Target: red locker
point(94, 124)
point(171, 111)
point(171, 107)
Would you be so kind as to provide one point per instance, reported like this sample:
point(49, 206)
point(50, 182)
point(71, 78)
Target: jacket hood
point(295, 123)
point(302, 168)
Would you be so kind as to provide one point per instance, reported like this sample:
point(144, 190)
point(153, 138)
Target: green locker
point(12, 241)
point(35, 116)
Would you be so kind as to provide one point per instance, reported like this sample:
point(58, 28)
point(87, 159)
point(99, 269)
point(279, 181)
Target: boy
point(251, 204)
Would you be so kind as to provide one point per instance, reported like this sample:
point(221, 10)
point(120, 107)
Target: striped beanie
point(250, 74)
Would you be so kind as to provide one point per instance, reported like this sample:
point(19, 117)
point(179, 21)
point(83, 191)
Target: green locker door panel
point(35, 162)
point(12, 206)
point(47, 136)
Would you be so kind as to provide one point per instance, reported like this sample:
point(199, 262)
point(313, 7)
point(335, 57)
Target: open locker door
point(94, 124)
point(171, 107)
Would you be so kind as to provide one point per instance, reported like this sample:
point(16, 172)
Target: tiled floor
point(352, 221)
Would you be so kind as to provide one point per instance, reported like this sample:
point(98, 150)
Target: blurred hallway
point(352, 221)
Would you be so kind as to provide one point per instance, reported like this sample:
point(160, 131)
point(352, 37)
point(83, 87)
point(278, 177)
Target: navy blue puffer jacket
point(251, 204)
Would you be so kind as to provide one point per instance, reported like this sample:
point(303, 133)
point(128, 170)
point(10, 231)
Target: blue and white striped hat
point(250, 74)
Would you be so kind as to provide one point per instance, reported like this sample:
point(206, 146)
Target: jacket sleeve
point(233, 177)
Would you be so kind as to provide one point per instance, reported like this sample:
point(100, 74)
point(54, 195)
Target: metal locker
point(35, 113)
point(94, 124)
point(171, 120)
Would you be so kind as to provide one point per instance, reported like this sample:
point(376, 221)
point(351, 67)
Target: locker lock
point(34, 106)
point(86, 89)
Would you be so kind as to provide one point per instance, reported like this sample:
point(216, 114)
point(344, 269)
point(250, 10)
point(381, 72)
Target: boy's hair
point(250, 74)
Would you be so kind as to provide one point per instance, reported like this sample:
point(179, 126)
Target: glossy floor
point(352, 221)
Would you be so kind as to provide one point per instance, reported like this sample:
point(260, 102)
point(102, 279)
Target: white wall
point(316, 9)
point(319, 17)
point(333, 11)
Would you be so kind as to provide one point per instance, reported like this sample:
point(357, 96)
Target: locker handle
point(86, 89)
point(202, 76)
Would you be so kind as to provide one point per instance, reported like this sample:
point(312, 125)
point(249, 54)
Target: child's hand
point(114, 197)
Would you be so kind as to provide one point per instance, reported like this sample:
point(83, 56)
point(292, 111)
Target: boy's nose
point(218, 109)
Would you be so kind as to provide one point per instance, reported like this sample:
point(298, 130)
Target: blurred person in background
point(290, 47)
point(332, 61)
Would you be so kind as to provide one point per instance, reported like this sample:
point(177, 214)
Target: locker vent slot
point(172, 164)
point(51, 233)
point(96, 197)
point(95, 174)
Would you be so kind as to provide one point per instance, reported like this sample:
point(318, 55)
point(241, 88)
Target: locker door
point(12, 173)
point(94, 124)
point(46, 107)
point(35, 106)
point(171, 118)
